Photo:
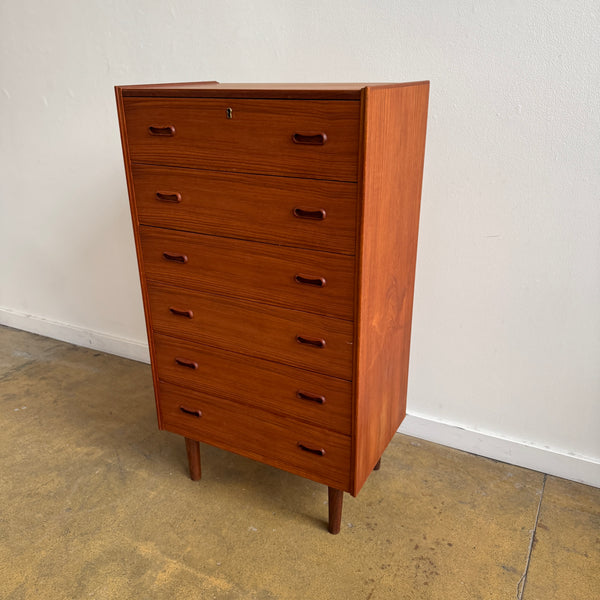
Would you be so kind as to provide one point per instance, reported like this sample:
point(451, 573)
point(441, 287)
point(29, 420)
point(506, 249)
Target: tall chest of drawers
point(276, 233)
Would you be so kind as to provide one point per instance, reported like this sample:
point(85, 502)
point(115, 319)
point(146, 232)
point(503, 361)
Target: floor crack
point(523, 580)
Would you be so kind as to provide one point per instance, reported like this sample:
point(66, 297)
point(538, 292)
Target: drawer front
point(314, 453)
point(314, 398)
point(305, 340)
point(318, 282)
point(316, 138)
point(294, 212)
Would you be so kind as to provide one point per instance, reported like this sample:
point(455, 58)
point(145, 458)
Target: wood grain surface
point(255, 329)
point(251, 207)
point(257, 139)
point(251, 270)
point(271, 386)
point(257, 434)
point(291, 91)
point(395, 122)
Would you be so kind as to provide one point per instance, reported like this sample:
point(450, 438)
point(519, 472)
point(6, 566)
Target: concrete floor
point(95, 502)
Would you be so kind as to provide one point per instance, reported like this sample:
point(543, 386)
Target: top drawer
point(302, 138)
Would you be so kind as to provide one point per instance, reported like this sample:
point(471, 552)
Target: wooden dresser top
point(213, 89)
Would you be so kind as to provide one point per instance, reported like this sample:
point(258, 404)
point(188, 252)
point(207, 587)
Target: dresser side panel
point(394, 129)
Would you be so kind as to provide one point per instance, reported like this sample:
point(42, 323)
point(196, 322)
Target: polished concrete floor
point(95, 502)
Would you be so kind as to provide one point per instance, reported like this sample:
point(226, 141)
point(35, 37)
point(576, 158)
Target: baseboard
point(66, 332)
point(552, 462)
point(576, 468)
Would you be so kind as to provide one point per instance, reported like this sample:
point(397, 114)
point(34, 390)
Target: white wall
point(506, 334)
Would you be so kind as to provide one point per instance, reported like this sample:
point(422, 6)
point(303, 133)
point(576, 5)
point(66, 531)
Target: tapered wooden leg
point(336, 498)
point(377, 466)
point(192, 448)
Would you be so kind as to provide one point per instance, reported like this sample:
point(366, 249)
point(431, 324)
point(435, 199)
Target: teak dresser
point(276, 233)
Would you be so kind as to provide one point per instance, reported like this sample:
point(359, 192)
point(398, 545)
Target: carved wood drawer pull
point(315, 214)
point(181, 312)
point(168, 131)
point(192, 413)
point(180, 258)
point(311, 397)
point(317, 451)
point(184, 362)
point(310, 139)
point(174, 197)
point(309, 280)
point(316, 342)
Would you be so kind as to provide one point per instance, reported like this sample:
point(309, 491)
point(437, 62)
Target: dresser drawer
point(315, 138)
point(281, 210)
point(305, 340)
point(315, 453)
point(318, 282)
point(311, 397)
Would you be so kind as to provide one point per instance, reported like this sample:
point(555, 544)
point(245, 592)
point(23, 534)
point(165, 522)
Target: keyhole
point(230, 113)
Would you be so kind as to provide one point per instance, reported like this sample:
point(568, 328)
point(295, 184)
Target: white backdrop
point(506, 337)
